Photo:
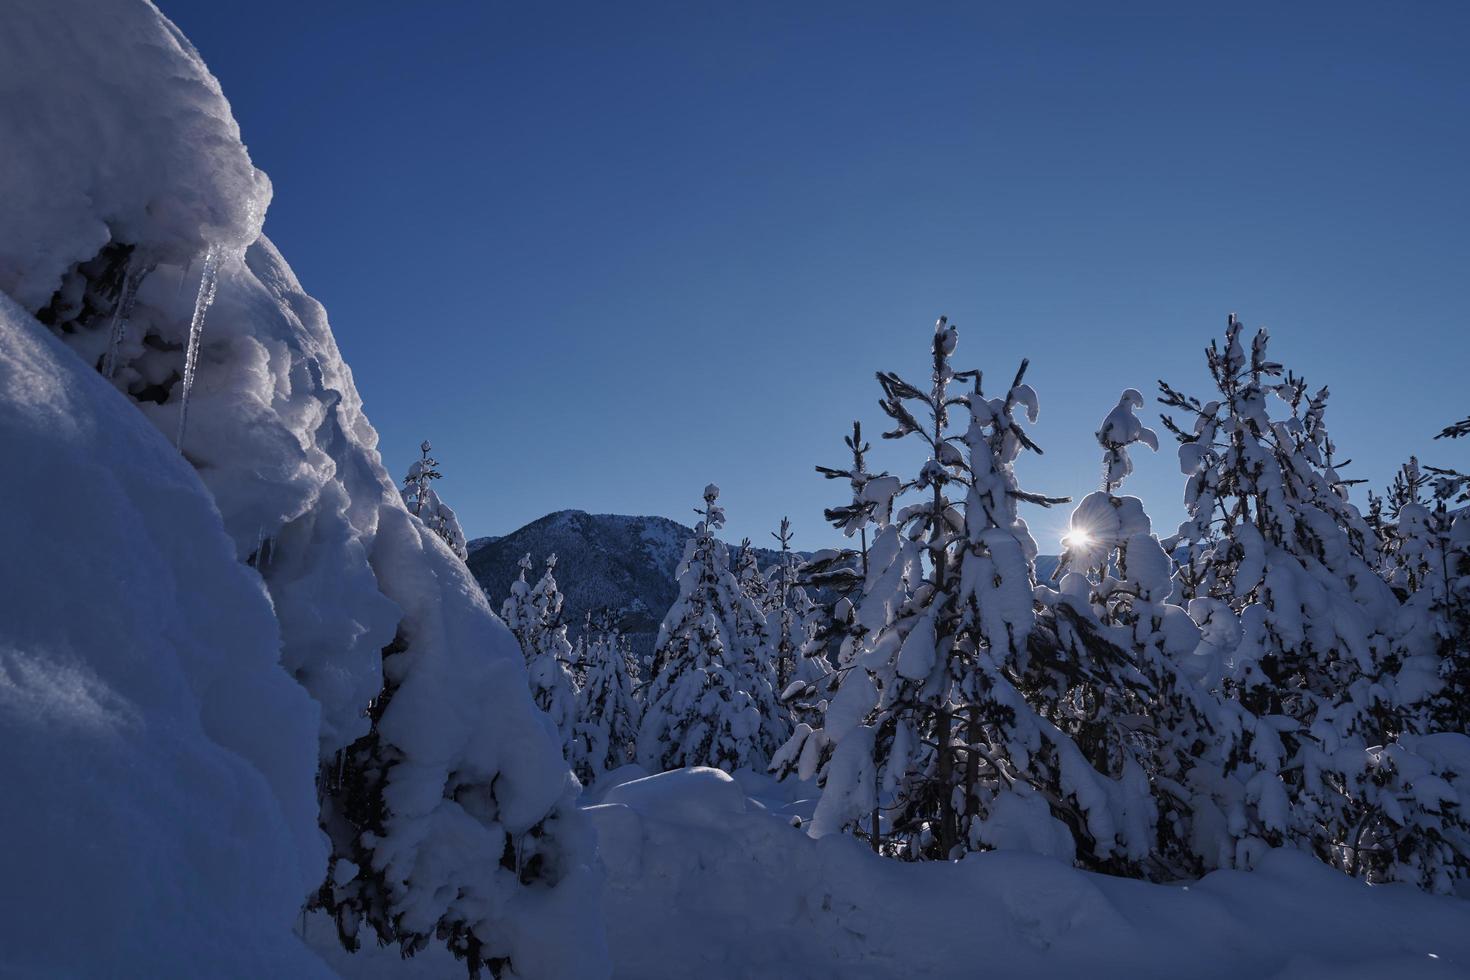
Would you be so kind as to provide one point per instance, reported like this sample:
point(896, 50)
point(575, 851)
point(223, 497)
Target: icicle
point(132, 278)
point(207, 280)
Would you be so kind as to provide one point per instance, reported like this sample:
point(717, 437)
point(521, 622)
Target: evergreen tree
point(1144, 707)
point(748, 574)
point(943, 727)
point(1451, 492)
point(696, 711)
point(1415, 530)
point(837, 631)
point(423, 502)
point(842, 572)
point(798, 655)
point(1407, 799)
point(517, 610)
point(549, 657)
point(1279, 566)
point(751, 638)
point(433, 826)
point(607, 712)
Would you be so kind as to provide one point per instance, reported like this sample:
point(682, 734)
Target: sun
point(1076, 538)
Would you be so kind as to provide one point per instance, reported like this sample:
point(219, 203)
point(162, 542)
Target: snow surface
point(707, 877)
point(701, 885)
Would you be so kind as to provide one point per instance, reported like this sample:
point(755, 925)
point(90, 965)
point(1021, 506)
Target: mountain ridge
point(622, 562)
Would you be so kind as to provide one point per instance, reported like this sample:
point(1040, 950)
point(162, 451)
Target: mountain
point(626, 564)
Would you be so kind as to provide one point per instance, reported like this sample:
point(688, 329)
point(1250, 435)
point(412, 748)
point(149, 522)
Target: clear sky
point(602, 254)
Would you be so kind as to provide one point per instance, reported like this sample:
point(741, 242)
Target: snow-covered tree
point(798, 654)
point(1144, 707)
point(753, 642)
point(837, 630)
point(1278, 566)
point(608, 714)
point(1419, 559)
point(423, 501)
point(534, 615)
point(696, 711)
point(951, 726)
point(518, 611)
point(425, 813)
point(842, 572)
point(1407, 799)
point(549, 657)
point(1451, 495)
point(748, 573)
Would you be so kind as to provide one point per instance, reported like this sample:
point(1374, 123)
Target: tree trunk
point(945, 777)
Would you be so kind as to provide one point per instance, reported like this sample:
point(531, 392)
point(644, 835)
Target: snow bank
point(158, 765)
point(740, 893)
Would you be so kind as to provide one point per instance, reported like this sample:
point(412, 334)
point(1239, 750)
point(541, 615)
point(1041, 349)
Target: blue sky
point(603, 254)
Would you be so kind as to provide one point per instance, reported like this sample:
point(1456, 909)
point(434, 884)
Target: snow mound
point(698, 796)
point(159, 767)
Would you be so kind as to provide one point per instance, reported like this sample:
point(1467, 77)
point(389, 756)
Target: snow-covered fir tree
point(1419, 559)
point(518, 611)
point(1451, 496)
point(837, 630)
point(1278, 565)
point(534, 615)
point(697, 709)
point(798, 656)
point(944, 728)
point(753, 638)
point(1412, 793)
point(1144, 707)
point(608, 713)
point(423, 501)
point(748, 573)
point(549, 657)
point(842, 572)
